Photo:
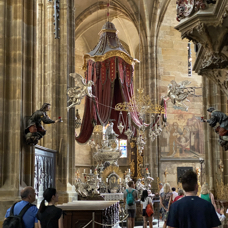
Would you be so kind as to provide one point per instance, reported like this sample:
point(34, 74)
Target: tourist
point(207, 195)
point(145, 200)
point(180, 195)
point(192, 211)
point(28, 196)
point(221, 216)
point(161, 188)
point(150, 194)
point(130, 196)
point(175, 194)
point(165, 201)
point(49, 213)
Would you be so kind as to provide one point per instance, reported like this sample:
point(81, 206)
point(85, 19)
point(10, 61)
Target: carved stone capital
point(214, 61)
point(218, 76)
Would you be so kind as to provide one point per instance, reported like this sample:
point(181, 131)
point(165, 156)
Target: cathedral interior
point(147, 68)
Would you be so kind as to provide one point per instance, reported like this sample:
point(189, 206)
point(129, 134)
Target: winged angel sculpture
point(178, 93)
point(81, 89)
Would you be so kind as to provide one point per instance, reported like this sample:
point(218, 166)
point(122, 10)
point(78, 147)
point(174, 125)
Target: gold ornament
point(112, 169)
point(116, 53)
point(141, 104)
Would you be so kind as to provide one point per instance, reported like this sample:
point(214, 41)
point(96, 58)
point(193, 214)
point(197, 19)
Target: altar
point(113, 196)
point(80, 213)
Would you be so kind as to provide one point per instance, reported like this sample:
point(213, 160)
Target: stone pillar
point(17, 66)
point(213, 97)
point(54, 67)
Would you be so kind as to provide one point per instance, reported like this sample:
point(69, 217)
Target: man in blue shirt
point(192, 211)
point(28, 196)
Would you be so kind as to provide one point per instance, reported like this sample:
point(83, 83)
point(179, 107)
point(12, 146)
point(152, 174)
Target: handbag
point(149, 209)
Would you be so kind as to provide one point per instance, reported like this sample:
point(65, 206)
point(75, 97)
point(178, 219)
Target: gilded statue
point(221, 166)
point(166, 173)
point(79, 91)
point(178, 93)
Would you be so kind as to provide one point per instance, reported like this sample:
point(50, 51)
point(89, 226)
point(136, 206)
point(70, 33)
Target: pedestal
point(80, 213)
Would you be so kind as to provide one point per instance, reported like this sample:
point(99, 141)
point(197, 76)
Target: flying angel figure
point(178, 93)
point(80, 90)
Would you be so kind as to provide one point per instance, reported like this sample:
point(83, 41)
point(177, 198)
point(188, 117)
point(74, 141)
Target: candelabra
point(201, 161)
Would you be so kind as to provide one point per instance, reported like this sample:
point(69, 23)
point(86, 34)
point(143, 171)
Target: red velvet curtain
point(108, 92)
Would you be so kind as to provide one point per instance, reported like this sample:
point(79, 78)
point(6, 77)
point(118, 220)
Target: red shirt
point(177, 198)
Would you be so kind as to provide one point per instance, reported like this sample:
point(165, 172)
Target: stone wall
point(171, 167)
point(182, 139)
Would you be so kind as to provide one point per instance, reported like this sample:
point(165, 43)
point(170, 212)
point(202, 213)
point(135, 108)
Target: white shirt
point(175, 194)
point(221, 217)
point(162, 190)
point(146, 202)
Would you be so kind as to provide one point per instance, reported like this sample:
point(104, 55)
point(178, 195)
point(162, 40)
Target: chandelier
point(142, 105)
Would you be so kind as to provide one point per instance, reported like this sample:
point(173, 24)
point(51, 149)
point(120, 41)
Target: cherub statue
point(80, 90)
point(139, 186)
point(178, 93)
point(34, 131)
point(110, 133)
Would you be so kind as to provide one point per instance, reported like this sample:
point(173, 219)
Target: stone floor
point(154, 226)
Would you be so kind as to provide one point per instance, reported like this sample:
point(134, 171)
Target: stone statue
point(110, 133)
point(139, 186)
point(178, 93)
point(34, 130)
point(80, 90)
point(218, 117)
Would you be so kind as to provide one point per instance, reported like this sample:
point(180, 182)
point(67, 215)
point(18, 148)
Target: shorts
point(131, 213)
point(145, 214)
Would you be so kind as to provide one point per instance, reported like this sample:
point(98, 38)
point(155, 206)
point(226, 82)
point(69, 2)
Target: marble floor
point(154, 226)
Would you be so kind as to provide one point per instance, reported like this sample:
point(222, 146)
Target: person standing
point(130, 196)
point(207, 195)
point(180, 195)
point(28, 196)
point(50, 214)
point(145, 200)
point(161, 188)
point(165, 201)
point(192, 211)
point(175, 194)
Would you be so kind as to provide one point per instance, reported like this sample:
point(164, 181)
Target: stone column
point(213, 97)
point(54, 67)
point(17, 63)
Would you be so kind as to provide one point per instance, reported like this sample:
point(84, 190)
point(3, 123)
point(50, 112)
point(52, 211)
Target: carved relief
point(218, 76)
point(199, 5)
point(187, 7)
point(214, 61)
point(44, 173)
point(184, 8)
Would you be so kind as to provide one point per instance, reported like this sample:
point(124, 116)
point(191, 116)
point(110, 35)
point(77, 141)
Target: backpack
point(130, 198)
point(16, 221)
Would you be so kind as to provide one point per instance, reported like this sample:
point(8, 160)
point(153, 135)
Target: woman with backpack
point(145, 201)
point(49, 216)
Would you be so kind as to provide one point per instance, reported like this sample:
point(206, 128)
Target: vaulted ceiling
point(131, 18)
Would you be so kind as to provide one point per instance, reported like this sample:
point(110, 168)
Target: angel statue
point(80, 90)
point(178, 93)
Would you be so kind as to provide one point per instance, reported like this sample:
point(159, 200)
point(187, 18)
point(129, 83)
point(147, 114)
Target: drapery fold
point(113, 84)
